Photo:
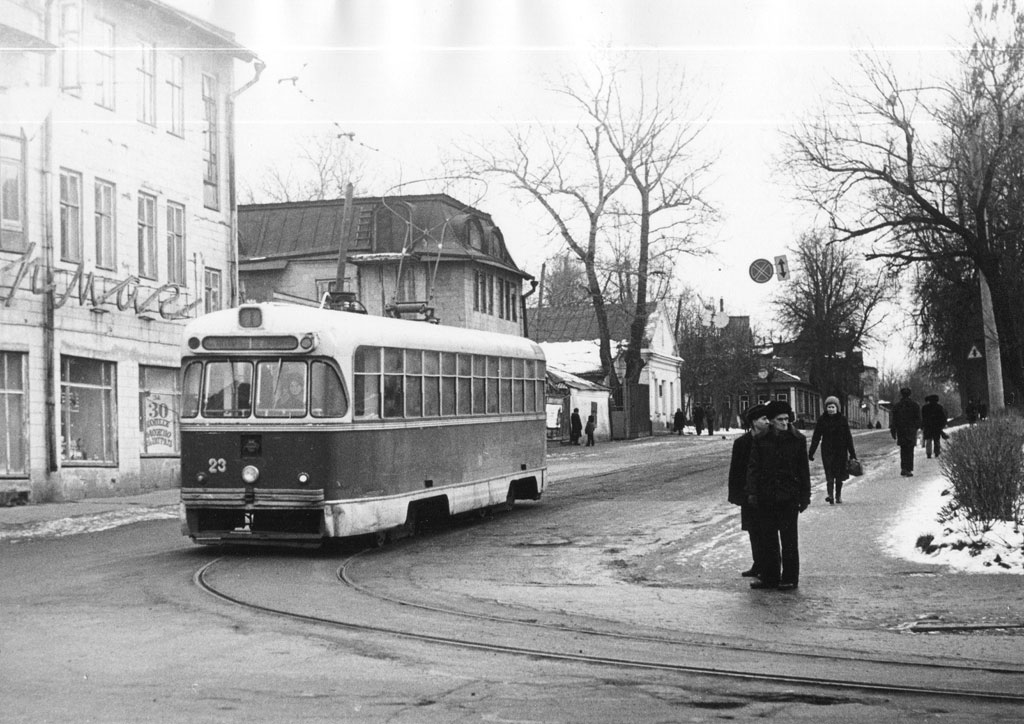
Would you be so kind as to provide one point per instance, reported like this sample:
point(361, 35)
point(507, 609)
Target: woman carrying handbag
point(832, 432)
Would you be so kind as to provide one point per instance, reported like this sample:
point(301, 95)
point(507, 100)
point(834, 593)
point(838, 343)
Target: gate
point(631, 412)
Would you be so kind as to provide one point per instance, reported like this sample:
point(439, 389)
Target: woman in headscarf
point(832, 432)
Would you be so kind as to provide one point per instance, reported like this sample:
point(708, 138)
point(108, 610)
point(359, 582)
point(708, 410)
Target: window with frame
point(159, 398)
point(176, 272)
point(13, 415)
point(211, 290)
point(69, 33)
point(211, 141)
point(147, 236)
point(12, 194)
point(88, 411)
point(176, 95)
point(103, 49)
point(104, 204)
point(147, 83)
point(70, 215)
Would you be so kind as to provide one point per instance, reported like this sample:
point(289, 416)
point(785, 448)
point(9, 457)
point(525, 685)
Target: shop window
point(13, 424)
point(88, 411)
point(158, 410)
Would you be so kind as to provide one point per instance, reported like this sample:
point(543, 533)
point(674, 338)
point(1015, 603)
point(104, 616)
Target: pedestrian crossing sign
point(974, 353)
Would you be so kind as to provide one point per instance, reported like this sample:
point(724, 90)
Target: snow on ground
point(1001, 550)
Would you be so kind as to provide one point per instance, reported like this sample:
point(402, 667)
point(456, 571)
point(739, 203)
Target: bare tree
point(322, 167)
point(829, 309)
point(929, 174)
point(580, 176)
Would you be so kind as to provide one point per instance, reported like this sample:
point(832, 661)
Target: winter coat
point(833, 433)
point(575, 424)
point(933, 419)
point(738, 478)
point(905, 421)
point(778, 473)
point(678, 420)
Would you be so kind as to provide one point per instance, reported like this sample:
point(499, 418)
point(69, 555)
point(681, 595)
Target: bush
point(984, 463)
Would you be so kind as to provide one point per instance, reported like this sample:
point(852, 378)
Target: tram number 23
point(218, 465)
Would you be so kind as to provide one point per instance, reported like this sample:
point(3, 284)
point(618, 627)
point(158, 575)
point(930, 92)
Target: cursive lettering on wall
point(27, 274)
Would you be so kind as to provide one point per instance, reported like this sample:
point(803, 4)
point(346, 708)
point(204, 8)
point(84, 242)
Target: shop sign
point(27, 274)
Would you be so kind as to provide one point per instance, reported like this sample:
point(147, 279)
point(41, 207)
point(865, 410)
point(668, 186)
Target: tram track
point(752, 661)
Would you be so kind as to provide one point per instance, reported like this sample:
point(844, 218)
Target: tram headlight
point(201, 478)
point(303, 478)
point(250, 474)
point(307, 342)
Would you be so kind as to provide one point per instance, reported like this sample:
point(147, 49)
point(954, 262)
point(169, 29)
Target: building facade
point(427, 257)
point(570, 336)
point(116, 227)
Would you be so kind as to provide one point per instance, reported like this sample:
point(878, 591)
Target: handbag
point(854, 468)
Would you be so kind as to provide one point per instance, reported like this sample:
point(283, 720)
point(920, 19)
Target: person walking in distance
point(832, 432)
point(904, 422)
point(779, 486)
point(709, 419)
point(933, 422)
point(678, 421)
point(756, 422)
point(698, 419)
point(575, 426)
point(589, 430)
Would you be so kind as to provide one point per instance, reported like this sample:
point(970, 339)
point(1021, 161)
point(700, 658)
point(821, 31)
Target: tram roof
point(351, 330)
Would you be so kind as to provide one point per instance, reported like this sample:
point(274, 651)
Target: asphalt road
point(634, 537)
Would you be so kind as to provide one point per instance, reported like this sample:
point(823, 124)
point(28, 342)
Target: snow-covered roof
point(577, 358)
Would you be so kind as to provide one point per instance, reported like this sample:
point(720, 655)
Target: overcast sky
point(412, 77)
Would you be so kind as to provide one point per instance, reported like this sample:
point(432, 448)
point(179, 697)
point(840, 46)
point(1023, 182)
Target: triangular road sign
point(974, 353)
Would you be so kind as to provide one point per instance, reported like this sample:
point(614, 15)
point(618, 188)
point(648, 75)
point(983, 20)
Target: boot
point(839, 492)
point(828, 486)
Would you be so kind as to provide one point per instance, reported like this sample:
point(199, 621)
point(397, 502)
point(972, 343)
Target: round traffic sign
point(761, 270)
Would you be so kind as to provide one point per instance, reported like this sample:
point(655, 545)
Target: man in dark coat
point(756, 420)
point(575, 426)
point(678, 421)
point(904, 422)
point(933, 422)
point(779, 485)
point(698, 419)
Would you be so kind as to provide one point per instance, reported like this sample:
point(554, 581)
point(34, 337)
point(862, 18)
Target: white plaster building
point(116, 226)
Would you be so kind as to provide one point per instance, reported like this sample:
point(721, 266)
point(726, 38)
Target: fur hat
point(755, 412)
point(778, 407)
point(833, 400)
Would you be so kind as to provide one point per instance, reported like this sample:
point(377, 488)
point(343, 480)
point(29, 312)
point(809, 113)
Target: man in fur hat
point(756, 421)
point(779, 486)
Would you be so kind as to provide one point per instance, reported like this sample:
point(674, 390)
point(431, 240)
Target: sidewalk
point(89, 514)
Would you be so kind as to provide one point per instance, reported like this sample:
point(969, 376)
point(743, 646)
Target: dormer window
point(477, 240)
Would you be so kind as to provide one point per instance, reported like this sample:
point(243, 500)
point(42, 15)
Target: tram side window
point(542, 379)
point(367, 382)
point(465, 384)
point(413, 383)
point(492, 385)
point(431, 384)
point(506, 384)
point(517, 385)
point(448, 379)
point(228, 389)
point(479, 384)
point(326, 391)
point(190, 389)
point(393, 383)
point(529, 398)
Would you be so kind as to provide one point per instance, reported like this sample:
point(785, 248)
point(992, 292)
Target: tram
point(301, 424)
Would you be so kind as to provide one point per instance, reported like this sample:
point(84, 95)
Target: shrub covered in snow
point(984, 464)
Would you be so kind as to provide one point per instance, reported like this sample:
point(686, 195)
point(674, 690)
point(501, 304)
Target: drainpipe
point(259, 67)
point(49, 343)
point(522, 305)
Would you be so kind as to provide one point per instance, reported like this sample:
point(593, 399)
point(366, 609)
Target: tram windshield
point(283, 388)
